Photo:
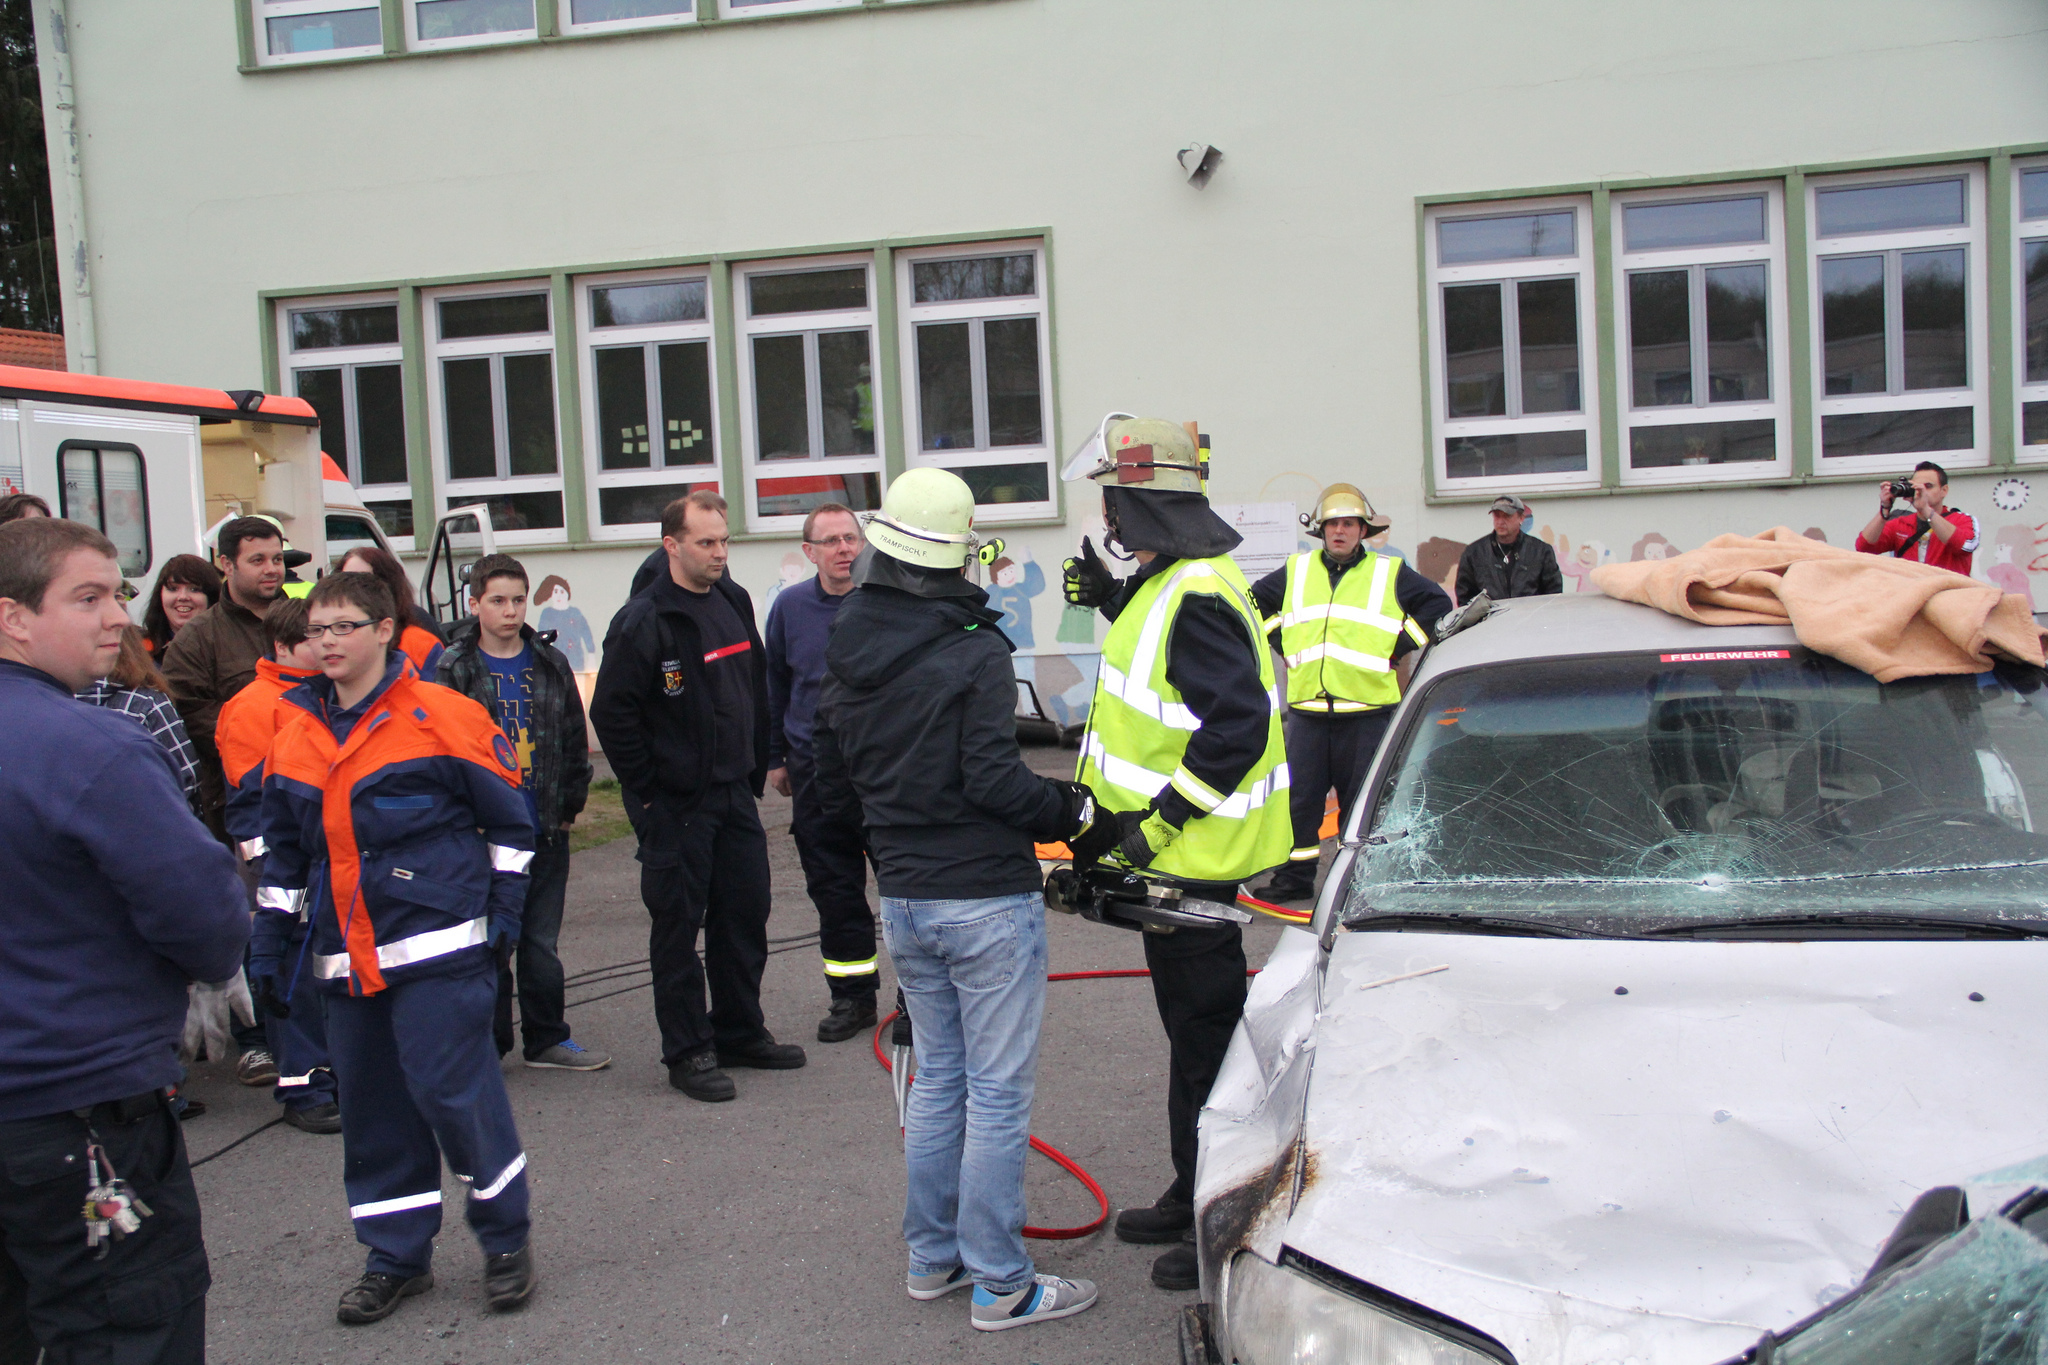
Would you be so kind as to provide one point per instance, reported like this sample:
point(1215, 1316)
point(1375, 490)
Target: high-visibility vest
point(1139, 727)
point(1339, 640)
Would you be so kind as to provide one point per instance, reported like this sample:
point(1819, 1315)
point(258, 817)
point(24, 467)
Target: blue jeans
point(973, 973)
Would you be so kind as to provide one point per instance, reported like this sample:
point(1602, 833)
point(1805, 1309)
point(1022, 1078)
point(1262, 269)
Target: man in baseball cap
point(1508, 563)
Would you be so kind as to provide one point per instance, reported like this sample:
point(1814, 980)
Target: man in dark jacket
point(916, 734)
point(116, 899)
point(1508, 563)
point(516, 673)
point(681, 709)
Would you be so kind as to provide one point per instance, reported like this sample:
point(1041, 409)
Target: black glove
point(1087, 581)
point(1096, 828)
point(1146, 835)
point(269, 999)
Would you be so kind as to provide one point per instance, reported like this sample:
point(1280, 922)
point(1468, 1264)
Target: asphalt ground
point(763, 1230)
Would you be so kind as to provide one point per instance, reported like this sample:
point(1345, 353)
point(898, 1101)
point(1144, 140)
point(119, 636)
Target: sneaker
point(256, 1067)
point(314, 1118)
point(509, 1279)
point(698, 1077)
point(1178, 1268)
point(1046, 1298)
point(1164, 1222)
point(850, 1014)
point(939, 1283)
point(375, 1297)
point(763, 1053)
point(192, 1109)
point(570, 1055)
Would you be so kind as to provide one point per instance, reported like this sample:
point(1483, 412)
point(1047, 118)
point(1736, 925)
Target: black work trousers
point(834, 855)
point(146, 1302)
point(1198, 982)
point(1325, 750)
point(707, 871)
point(540, 979)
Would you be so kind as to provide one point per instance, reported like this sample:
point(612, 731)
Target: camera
point(1899, 490)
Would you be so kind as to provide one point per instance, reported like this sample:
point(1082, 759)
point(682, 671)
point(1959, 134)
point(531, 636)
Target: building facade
point(1664, 271)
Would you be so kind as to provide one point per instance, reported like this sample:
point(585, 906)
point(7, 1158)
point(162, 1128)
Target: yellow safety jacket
point(1139, 727)
point(1339, 641)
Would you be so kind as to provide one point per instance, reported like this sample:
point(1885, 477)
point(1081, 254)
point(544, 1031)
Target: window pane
point(522, 511)
point(1016, 412)
point(945, 387)
point(1884, 208)
point(502, 315)
point(1852, 324)
point(1738, 334)
point(395, 517)
point(530, 413)
point(796, 496)
point(1475, 362)
point(643, 502)
point(2037, 312)
point(2034, 194)
point(468, 18)
point(781, 399)
point(686, 402)
point(1706, 222)
point(380, 424)
point(995, 484)
point(2034, 424)
point(622, 408)
point(637, 305)
point(322, 389)
point(103, 489)
point(324, 32)
point(1660, 337)
point(1931, 309)
point(598, 11)
point(1529, 452)
point(79, 497)
point(808, 291)
point(316, 329)
point(472, 427)
point(989, 277)
point(1550, 345)
point(847, 393)
point(1897, 433)
point(1515, 238)
point(1703, 443)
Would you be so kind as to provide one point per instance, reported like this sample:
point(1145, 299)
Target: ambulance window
point(106, 487)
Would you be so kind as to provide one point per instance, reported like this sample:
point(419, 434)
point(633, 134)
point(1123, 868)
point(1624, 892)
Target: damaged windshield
point(1721, 784)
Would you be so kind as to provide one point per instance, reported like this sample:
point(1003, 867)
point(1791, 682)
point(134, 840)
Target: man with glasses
point(832, 850)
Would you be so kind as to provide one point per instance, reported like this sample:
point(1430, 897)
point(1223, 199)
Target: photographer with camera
point(1932, 532)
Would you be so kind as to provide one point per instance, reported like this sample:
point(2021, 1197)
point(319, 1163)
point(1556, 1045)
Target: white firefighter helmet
point(1146, 453)
point(1344, 500)
point(927, 518)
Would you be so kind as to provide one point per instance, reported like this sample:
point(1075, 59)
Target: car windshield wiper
point(1367, 921)
point(1859, 925)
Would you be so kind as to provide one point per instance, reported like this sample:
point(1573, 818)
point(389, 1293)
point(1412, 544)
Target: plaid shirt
point(155, 713)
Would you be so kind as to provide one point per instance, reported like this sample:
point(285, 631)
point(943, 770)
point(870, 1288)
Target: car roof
point(1570, 624)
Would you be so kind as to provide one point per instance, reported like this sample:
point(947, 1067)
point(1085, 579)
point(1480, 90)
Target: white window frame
point(688, 15)
point(450, 492)
point(588, 340)
point(728, 10)
point(345, 358)
point(2024, 230)
point(1032, 305)
point(747, 327)
point(1771, 254)
point(1976, 325)
point(415, 43)
point(1443, 427)
point(286, 9)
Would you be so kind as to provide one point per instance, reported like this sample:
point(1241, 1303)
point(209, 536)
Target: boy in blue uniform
point(391, 807)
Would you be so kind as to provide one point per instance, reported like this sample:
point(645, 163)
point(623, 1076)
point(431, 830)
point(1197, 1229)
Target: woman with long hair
point(421, 639)
point(185, 586)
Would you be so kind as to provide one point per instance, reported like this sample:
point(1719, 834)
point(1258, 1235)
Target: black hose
point(237, 1142)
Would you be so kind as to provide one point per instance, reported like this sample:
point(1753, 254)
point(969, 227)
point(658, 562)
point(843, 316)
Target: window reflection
point(1889, 208)
point(1852, 324)
point(1548, 313)
point(1475, 361)
point(1738, 348)
point(1660, 336)
point(1521, 236)
point(1932, 311)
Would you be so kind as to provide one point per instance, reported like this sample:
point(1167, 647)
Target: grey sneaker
point(256, 1067)
point(1047, 1297)
point(570, 1055)
point(939, 1283)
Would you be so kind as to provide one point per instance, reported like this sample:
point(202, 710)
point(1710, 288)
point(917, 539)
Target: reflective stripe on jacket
point(248, 722)
point(1338, 639)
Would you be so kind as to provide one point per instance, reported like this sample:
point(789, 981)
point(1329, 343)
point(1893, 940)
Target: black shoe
point(1178, 1269)
point(1168, 1220)
point(698, 1076)
point(850, 1014)
point(314, 1118)
point(375, 1297)
point(1283, 889)
point(194, 1109)
point(509, 1279)
point(763, 1053)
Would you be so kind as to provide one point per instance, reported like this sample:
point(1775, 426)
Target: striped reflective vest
point(1138, 729)
point(1339, 641)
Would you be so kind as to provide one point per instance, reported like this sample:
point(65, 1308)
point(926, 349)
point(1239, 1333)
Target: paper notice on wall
point(1271, 532)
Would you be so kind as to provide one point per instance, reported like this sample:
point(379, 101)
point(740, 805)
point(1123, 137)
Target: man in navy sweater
point(833, 850)
point(117, 898)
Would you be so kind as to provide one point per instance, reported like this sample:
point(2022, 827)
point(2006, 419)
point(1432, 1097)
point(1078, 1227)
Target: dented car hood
point(1620, 1150)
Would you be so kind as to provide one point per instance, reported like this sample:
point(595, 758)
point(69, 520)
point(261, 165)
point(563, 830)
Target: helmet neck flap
point(1177, 524)
point(878, 568)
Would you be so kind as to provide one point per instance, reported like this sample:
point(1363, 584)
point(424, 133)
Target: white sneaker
point(1047, 1297)
point(939, 1283)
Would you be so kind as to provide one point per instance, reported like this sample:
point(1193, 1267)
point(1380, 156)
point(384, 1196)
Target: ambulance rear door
point(134, 475)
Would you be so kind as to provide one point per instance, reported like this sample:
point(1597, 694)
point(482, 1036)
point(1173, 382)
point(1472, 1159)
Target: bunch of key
point(112, 1210)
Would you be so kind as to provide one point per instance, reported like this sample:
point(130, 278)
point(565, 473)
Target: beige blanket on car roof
point(1892, 618)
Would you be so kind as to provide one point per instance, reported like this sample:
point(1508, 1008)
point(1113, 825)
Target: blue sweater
point(116, 897)
point(799, 624)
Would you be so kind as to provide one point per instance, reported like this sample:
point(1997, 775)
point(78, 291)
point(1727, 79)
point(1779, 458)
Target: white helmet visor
point(1093, 457)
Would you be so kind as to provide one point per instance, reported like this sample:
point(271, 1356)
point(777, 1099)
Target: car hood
point(1630, 1151)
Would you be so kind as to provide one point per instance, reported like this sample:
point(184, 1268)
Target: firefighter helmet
point(1144, 453)
point(1344, 500)
point(926, 519)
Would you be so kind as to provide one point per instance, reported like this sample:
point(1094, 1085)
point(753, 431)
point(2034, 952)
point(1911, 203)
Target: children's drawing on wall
point(2012, 548)
point(572, 632)
point(794, 570)
point(1815, 533)
point(1014, 580)
point(1578, 563)
point(1064, 683)
point(1382, 544)
point(1652, 546)
point(1437, 560)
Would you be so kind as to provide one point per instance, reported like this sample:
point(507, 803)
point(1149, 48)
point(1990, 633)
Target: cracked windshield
point(1624, 794)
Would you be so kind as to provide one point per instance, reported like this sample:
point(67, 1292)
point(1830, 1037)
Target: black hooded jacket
point(917, 739)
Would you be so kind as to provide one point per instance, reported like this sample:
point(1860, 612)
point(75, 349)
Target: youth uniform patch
point(672, 677)
point(502, 747)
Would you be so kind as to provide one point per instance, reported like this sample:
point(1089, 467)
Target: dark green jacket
point(561, 744)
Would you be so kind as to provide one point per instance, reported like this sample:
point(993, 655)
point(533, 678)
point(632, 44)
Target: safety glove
point(1087, 581)
point(1095, 827)
point(269, 938)
point(1146, 835)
